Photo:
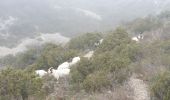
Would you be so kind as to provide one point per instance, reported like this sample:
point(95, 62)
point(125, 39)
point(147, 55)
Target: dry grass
point(121, 93)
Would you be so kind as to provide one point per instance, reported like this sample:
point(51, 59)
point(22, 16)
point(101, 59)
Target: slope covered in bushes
point(110, 64)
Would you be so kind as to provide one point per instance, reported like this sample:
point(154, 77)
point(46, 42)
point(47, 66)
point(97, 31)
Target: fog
point(24, 19)
point(55, 38)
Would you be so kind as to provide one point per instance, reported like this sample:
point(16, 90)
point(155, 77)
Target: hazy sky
point(20, 19)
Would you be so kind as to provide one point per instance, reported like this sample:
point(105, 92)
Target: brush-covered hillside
point(110, 66)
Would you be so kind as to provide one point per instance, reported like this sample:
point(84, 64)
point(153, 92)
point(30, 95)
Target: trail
point(140, 88)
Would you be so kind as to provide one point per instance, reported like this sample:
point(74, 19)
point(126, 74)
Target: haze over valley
point(21, 19)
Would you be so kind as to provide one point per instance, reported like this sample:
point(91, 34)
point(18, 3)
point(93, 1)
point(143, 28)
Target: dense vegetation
point(160, 86)
point(85, 41)
point(16, 84)
point(109, 65)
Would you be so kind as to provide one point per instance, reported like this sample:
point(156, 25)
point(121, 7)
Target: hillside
point(116, 68)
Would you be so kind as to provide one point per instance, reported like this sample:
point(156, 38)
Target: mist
point(54, 38)
point(22, 20)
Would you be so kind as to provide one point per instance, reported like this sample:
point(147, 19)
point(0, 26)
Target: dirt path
point(140, 89)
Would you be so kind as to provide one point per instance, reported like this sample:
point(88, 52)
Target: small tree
point(96, 81)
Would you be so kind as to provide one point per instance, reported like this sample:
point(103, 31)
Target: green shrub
point(49, 84)
point(53, 55)
point(80, 71)
point(116, 54)
point(112, 58)
point(161, 86)
point(141, 25)
point(85, 41)
point(157, 53)
point(116, 64)
point(21, 60)
point(96, 81)
point(18, 83)
point(113, 39)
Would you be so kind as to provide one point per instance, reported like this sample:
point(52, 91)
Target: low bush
point(96, 81)
point(53, 55)
point(85, 41)
point(161, 86)
point(109, 65)
point(15, 84)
